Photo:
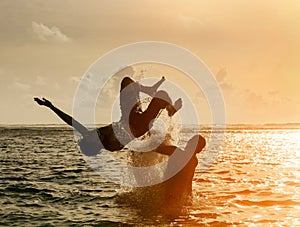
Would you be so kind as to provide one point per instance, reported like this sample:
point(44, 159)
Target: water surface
point(254, 181)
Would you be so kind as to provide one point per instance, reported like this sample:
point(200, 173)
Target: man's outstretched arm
point(65, 117)
point(150, 90)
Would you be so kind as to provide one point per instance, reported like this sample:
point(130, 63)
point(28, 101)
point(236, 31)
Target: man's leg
point(160, 101)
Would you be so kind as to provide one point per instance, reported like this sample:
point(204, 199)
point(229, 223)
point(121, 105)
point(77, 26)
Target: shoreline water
point(291, 125)
point(45, 181)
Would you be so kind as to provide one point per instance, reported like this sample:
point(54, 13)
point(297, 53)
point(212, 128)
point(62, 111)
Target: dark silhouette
point(133, 123)
point(180, 185)
point(170, 196)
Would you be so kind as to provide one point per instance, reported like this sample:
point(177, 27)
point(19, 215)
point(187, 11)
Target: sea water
point(254, 181)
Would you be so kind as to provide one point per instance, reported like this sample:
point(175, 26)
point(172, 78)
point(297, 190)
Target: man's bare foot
point(172, 109)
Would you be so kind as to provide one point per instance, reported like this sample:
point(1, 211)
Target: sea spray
point(151, 198)
point(165, 130)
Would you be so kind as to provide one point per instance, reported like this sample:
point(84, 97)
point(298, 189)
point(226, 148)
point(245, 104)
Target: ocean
point(254, 181)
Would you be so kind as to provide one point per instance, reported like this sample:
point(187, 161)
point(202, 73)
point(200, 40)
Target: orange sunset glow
point(252, 47)
point(150, 113)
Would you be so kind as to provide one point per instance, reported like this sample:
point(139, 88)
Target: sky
point(251, 47)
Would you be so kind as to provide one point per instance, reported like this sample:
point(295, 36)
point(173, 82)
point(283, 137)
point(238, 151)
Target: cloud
point(112, 87)
point(40, 80)
point(248, 105)
point(190, 22)
point(44, 33)
point(221, 77)
point(236, 95)
point(22, 86)
point(277, 98)
point(187, 19)
point(253, 99)
point(75, 79)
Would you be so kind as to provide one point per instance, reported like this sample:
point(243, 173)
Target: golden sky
point(252, 47)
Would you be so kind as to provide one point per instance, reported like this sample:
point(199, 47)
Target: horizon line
point(204, 124)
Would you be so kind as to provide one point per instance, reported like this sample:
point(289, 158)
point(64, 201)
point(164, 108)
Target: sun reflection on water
point(255, 180)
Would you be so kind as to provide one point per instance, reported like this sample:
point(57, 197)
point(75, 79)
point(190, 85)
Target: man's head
point(197, 142)
point(125, 82)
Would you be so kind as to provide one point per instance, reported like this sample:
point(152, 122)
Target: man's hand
point(43, 102)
